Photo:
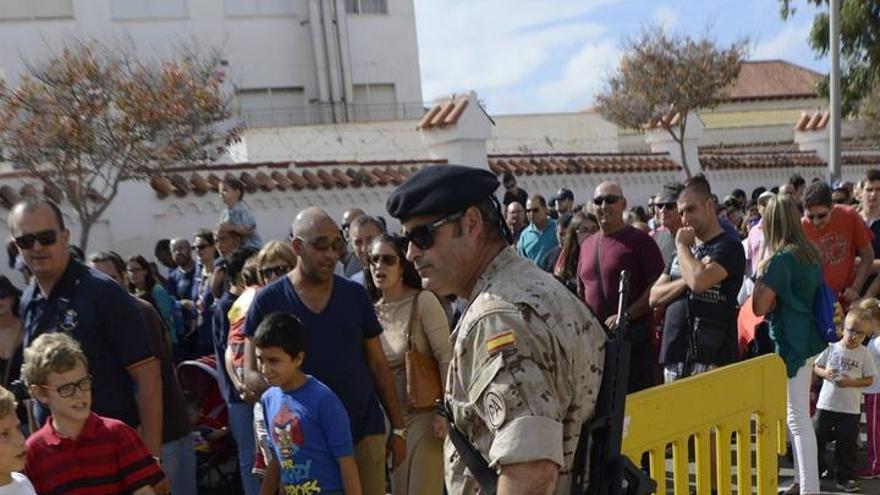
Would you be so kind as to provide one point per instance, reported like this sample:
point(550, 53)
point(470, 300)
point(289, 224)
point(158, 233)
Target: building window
point(366, 6)
point(36, 9)
point(375, 102)
point(273, 107)
point(148, 9)
point(248, 8)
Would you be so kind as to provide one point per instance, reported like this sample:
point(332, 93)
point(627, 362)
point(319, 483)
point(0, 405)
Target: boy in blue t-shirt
point(308, 427)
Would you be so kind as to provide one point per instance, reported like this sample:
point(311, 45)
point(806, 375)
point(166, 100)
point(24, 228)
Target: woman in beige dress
point(395, 287)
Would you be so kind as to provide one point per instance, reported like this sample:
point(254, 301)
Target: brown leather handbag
point(423, 386)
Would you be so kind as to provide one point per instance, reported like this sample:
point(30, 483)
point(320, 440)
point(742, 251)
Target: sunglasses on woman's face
point(383, 259)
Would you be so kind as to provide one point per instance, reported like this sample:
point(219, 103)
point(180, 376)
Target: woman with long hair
point(141, 283)
point(404, 309)
point(583, 225)
point(788, 278)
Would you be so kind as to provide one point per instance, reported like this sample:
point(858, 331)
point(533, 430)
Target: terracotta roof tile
point(313, 181)
point(282, 183)
point(444, 113)
point(861, 159)
point(297, 181)
point(214, 180)
point(181, 185)
point(577, 163)
point(200, 185)
point(161, 185)
point(747, 160)
point(264, 181)
point(342, 178)
point(772, 79)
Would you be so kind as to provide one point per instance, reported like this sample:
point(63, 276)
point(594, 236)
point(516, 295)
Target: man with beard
point(617, 247)
point(699, 289)
point(528, 356)
point(182, 284)
point(343, 348)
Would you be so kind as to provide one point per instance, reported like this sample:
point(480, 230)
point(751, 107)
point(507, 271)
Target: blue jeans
point(241, 422)
point(179, 465)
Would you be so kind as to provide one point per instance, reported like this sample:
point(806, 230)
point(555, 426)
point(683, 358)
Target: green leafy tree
point(90, 117)
point(859, 47)
point(662, 77)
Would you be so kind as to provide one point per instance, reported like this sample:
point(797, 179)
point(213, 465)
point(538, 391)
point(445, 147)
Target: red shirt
point(838, 241)
point(107, 458)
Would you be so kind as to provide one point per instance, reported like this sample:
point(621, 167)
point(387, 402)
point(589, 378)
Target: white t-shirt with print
point(20, 486)
point(853, 363)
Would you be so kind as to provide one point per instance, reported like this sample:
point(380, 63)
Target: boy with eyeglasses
point(77, 451)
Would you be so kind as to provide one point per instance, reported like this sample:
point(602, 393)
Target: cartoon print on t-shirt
point(288, 437)
point(833, 248)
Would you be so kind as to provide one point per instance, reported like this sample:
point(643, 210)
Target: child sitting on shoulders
point(77, 451)
point(308, 427)
point(846, 368)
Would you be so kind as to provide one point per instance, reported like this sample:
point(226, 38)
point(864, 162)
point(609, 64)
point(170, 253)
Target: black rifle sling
point(485, 476)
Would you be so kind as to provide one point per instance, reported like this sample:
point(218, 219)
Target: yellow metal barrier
point(735, 400)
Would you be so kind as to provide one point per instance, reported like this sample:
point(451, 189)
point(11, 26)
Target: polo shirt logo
point(68, 320)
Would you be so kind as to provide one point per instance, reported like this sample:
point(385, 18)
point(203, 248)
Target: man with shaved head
point(617, 247)
point(343, 348)
point(515, 216)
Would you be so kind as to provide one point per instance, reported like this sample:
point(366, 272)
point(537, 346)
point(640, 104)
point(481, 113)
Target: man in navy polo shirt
point(183, 282)
point(66, 296)
point(343, 348)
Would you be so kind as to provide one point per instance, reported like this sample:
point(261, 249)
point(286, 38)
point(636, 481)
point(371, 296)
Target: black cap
point(564, 194)
point(669, 194)
point(441, 189)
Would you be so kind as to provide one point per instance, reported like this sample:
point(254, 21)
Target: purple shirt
point(627, 249)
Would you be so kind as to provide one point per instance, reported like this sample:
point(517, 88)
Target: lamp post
point(834, 86)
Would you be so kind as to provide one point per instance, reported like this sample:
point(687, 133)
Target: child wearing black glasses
point(76, 447)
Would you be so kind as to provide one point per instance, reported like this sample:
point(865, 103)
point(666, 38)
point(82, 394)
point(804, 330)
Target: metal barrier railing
point(739, 401)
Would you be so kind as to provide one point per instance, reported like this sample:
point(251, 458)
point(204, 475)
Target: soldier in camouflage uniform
point(528, 355)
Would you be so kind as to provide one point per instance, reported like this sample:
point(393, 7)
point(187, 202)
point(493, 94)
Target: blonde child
point(11, 449)
point(77, 451)
point(845, 367)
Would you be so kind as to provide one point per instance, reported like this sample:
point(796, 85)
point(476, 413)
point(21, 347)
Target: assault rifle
point(610, 472)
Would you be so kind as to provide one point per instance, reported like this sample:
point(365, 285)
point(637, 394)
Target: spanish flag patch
point(500, 342)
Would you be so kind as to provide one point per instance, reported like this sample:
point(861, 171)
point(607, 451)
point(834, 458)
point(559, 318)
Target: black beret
point(441, 189)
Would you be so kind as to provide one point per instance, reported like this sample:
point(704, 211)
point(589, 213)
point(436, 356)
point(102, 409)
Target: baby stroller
point(216, 454)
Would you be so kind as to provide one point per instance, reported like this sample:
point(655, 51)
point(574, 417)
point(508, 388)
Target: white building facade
point(290, 62)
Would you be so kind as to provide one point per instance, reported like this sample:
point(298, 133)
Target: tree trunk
point(684, 160)
point(86, 226)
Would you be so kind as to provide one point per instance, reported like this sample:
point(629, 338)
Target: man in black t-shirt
point(699, 289)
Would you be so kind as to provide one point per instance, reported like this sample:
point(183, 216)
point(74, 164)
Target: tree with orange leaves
point(662, 77)
point(90, 117)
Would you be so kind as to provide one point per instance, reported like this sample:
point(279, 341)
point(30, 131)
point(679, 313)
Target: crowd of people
point(333, 346)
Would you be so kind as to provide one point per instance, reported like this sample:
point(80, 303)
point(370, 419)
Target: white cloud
point(498, 47)
point(666, 16)
point(581, 78)
point(789, 43)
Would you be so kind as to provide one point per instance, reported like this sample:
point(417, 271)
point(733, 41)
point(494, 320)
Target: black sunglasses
point(199, 247)
point(607, 199)
point(68, 389)
point(274, 272)
point(422, 236)
point(666, 206)
point(323, 243)
point(44, 237)
point(383, 259)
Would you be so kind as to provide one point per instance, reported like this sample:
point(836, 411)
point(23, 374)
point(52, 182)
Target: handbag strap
point(598, 274)
point(413, 313)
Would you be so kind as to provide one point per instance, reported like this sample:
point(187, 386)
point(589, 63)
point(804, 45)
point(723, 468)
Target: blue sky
point(533, 56)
